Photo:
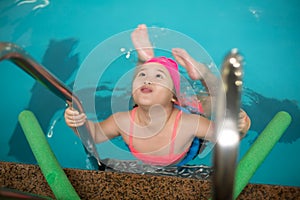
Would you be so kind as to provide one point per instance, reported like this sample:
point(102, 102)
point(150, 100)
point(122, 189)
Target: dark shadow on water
point(60, 61)
point(262, 109)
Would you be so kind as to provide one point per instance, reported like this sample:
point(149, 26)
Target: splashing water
point(56, 118)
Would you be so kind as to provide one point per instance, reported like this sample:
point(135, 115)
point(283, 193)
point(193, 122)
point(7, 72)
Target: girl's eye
point(141, 74)
point(159, 76)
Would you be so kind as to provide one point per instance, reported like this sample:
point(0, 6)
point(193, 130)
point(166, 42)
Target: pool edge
point(110, 185)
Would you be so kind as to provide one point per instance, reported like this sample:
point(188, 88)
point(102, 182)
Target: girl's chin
point(143, 101)
point(145, 104)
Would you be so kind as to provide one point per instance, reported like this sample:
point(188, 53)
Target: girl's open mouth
point(145, 89)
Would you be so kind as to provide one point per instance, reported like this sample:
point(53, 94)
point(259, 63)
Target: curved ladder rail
point(14, 53)
point(228, 136)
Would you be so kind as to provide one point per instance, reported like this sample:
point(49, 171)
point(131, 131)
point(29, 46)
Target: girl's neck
point(154, 115)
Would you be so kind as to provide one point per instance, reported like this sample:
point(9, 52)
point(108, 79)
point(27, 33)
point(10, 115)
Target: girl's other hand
point(73, 118)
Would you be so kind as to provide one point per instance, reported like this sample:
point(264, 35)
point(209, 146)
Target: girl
point(156, 131)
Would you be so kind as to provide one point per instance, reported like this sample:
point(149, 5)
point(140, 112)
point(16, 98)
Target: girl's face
point(152, 85)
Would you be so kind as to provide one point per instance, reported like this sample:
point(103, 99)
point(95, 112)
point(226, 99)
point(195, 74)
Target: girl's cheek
point(136, 84)
point(165, 85)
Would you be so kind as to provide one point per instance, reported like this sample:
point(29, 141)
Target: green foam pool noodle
point(260, 149)
point(54, 174)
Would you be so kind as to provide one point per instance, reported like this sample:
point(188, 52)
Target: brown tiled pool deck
point(111, 185)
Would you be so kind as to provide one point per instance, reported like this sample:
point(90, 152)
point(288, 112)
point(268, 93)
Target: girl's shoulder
point(122, 121)
point(188, 115)
point(122, 113)
point(122, 116)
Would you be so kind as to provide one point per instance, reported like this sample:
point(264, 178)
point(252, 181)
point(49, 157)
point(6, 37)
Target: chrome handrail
point(228, 136)
point(14, 53)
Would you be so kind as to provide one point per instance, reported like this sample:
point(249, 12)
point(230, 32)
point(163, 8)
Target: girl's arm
point(206, 128)
point(100, 132)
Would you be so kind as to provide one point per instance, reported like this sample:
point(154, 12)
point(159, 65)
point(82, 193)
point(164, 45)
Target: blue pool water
point(60, 35)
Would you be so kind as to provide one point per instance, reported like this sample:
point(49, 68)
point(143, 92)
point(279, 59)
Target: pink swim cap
point(172, 67)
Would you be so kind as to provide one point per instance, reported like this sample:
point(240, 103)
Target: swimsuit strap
point(131, 127)
point(173, 133)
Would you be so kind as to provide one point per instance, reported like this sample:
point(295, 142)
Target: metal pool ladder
point(228, 136)
point(14, 53)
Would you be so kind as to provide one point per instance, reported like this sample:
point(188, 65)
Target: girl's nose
point(148, 82)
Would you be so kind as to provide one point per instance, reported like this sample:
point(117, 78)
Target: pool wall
point(109, 185)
